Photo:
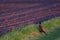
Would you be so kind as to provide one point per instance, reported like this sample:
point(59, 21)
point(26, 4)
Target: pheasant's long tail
point(45, 32)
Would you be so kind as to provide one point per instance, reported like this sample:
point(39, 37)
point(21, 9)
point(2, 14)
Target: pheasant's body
point(41, 29)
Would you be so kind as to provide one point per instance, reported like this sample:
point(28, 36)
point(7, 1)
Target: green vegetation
point(31, 32)
point(52, 35)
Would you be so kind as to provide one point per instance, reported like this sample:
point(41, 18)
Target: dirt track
point(13, 15)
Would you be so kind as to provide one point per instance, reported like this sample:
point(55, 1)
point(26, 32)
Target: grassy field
point(30, 32)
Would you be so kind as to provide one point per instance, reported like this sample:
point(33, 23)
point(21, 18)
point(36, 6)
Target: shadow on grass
point(52, 35)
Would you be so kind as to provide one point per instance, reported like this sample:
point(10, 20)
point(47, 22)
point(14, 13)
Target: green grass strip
point(30, 32)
